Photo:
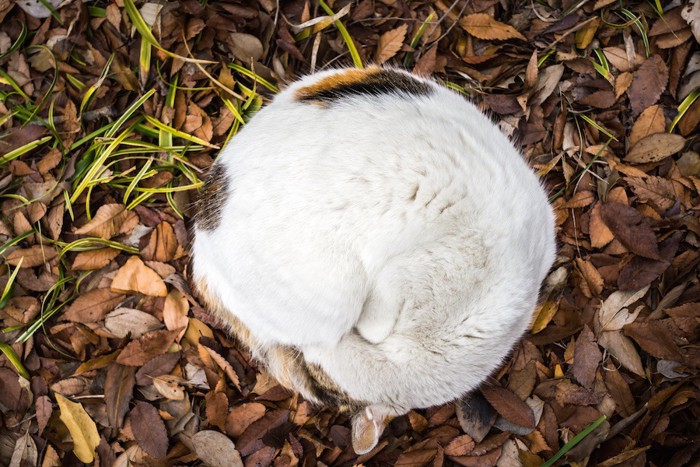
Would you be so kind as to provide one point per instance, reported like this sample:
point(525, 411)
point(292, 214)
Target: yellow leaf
point(484, 26)
point(585, 36)
point(390, 43)
point(135, 276)
point(81, 427)
point(544, 315)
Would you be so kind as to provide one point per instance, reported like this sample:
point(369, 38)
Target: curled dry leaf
point(216, 450)
point(135, 276)
point(123, 321)
point(622, 349)
point(484, 26)
point(92, 306)
point(33, 256)
point(613, 313)
point(654, 148)
point(109, 220)
point(390, 43)
point(81, 427)
point(149, 429)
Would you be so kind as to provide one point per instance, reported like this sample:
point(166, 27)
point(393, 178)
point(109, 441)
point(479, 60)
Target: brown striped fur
point(212, 198)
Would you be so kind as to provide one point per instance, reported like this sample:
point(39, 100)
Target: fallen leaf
point(118, 390)
point(509, 406)
point(81, 427)
point(242, 416)
point(175, 311)
point(44, 409)
point(170, 387)
point(654, 339)
point(599, 232)
point(691, 13)
point(155, 367)
point(252, 439)
point(619, 390)
point(390, 43)
point(149, 429)
point(216, 450)
point(460, 446)
point(649, 122)
point(649, 82)
point(109, 220)
point(641, 271)
point(135, 276)
point(162, 244)
point(33, 256)
point(622, 349)
point(587, 357)
point(124, 321)
point(655, 190)
point(547, 82)
point(631, 229)
point(148, 346)
point(92, 306)
point(217, 409)
point(223, 364)
point(484, 26)
point(25, 452)
point(94, 259)
point(613, 313)
point(654, 148)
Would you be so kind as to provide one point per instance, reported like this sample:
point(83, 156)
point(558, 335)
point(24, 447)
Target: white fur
point(321, 247)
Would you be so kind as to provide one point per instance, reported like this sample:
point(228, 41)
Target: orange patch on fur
point(336, 81)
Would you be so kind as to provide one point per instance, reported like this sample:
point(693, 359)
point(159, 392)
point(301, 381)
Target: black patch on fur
point(375, 84)
point(212, 198)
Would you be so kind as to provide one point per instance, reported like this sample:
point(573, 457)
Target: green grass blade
point(684, 106)
point(14, 359)
point(15, 153)
point(356, 60)
point(177, 133)
point(416, 38)
point(10, 283)
point(574, 441)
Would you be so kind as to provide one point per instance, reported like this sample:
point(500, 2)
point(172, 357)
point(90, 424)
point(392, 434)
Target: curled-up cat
point(375, 240)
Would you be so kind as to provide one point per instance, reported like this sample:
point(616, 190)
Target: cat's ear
point(368, 425)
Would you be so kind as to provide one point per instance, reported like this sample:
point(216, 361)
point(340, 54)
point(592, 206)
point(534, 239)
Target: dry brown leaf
point(44, 409)
point(216, 450)
point(649, 82)
point(599, 232)
point(242, 416)
point(618, 57)
point(135, 276)
point(162, 245)
point(654, 339)
point(252, 439)
point(631, 229)
point(94, 259)
point(155, 367)
point(149, 429)
point(460, 446)
point(109, 220)
point(622, 349)
point(390, 43)
point(175, 311)
point(92, 306)
point(484, 26)
point(619, 389)
point(622, 83)
point(223, 364)
point(654, 148)
point(32, 256)
point(170, 387)
point(509, 406)
point(587, 357)
point(217, 409)
point(148, 346)
point(124, 321)
point(649, 122)
point(118, 390)
point(655, 190)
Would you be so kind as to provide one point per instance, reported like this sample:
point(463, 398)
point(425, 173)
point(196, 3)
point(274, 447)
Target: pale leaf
point(81, 427)
point(484, 26)
point(390, 43)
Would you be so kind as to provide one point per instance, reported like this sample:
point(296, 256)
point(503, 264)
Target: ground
point(111, 113)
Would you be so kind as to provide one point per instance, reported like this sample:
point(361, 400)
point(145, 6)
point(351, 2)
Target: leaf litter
point(99, 164)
